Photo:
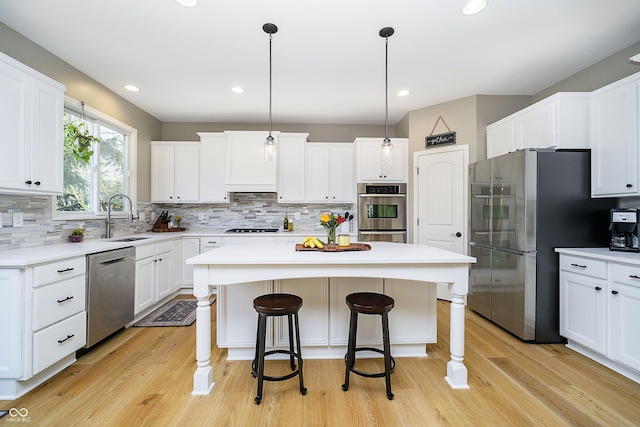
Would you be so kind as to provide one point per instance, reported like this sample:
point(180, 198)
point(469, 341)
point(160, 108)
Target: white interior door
point(440, 200)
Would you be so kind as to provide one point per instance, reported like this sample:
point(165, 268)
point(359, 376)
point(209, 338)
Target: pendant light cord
point(270, 91)
point(386, 87)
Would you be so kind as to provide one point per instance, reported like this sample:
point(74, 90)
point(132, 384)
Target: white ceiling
point(328, 59)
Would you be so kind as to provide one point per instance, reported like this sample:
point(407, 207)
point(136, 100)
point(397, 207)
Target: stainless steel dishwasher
point(110, 292)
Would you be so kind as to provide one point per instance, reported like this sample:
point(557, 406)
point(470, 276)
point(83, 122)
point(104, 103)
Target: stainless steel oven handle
point(382, 195)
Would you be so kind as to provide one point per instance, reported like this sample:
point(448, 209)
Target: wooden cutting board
point(336, 248)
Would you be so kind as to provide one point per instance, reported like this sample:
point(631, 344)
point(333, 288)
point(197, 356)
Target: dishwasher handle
point(113, 260)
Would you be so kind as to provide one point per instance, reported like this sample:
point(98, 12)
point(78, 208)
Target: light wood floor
point(143, 377)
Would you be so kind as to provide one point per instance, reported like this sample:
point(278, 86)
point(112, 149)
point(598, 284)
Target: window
point(90, 181)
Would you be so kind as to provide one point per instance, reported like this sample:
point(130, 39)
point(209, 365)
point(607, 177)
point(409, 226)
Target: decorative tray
point(336, 248)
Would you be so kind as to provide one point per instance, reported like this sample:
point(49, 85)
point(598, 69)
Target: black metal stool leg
point(303, 390)
point(351, 348)
point(262, 329)
point(387, 354)
point(291, 350)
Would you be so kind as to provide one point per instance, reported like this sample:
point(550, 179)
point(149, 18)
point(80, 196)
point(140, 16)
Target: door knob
point(458, 234)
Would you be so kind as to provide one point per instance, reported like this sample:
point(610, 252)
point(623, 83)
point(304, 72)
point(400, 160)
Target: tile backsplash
point(251, 210)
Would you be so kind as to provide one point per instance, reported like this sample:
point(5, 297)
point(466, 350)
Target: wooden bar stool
point(369, 303)
point(277, 305)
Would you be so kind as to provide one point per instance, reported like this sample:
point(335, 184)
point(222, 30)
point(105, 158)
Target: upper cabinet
point(213, 160)
point(290, 174)
point(329, 173)
point(246, 168)
point(559, 121)
point(615, 137)
point(31, 119)
point(369, 160)
point(174, 171)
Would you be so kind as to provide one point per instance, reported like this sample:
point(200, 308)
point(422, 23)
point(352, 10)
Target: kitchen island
point(241, 264)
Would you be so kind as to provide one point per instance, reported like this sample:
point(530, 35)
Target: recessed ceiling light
point(237, 89)
point(403, 92)
point(132, 88)
point(474, 6)
point(188, 3)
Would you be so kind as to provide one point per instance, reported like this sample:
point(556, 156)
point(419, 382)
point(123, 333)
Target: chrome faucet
point(108, 221)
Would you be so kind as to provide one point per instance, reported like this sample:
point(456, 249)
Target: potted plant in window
point(78, 141)
point(77, 235)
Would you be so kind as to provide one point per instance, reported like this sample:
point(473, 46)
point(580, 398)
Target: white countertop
point(603, 254)
point(284, 253)
point(20, 258)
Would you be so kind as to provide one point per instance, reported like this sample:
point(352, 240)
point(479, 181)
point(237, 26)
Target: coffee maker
point(624, 230)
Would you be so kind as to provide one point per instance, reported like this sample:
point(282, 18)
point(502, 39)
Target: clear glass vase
point(331, 236)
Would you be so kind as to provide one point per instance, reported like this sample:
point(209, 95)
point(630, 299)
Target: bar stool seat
point(369, 303)
point(277, 305)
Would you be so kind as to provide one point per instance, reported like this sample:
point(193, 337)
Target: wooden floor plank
point(143, 376)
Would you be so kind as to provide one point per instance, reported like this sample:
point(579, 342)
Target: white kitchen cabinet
point(174, 171)
point(154, 264)
point(31, 119)
point(246, 169)
point(624, 309)
point(313, 316)
point(583, 301)
point(190, 248)
point(46, 310)
point(600, 308)
point(176, 268)
point(237, 319)
point(213, 163)
point(501, 138)
point(417, 302)
point(369, 327)
point(369, 160)
point(12, 293)
point(560, 121)
point(291, 166)
point(329, 173)
point(615, 138)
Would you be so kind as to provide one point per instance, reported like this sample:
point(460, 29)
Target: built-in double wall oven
point(382, 212)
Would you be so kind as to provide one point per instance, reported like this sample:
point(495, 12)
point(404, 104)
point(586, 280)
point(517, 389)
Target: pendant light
point(387, 146)
point(270, 143)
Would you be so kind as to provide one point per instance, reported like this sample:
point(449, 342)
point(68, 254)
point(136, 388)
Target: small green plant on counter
point(78, 232)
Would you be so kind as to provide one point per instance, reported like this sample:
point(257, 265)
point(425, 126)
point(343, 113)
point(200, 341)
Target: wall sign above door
point(441, 138)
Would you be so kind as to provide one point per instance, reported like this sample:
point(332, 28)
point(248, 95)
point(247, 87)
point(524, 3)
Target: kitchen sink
point(128, 239)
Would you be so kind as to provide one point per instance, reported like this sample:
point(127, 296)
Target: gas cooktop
point(253, 230)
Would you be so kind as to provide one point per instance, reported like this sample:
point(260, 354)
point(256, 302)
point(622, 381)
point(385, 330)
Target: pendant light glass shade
point(270, 143)
point(387, 146)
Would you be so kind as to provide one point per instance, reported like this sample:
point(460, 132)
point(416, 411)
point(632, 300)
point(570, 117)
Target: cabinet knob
point(614, 292)
point(37, 183)
point(28, 182)
point(629, 185)
point(598, 288)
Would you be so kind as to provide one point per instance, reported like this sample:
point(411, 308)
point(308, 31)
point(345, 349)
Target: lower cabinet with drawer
point(600, 309)
point(44, 323)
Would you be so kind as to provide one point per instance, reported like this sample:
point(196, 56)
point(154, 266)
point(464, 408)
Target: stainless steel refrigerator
point(523, 205)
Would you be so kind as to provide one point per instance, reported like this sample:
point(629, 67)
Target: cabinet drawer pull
point(65, 270)
point(67, 338)
point(629, 185)
point(598, 288)
point(37, 183)
point(634, 276)
point(578, 265)
point(28, 182)
point(614, 292)
point(60, 301)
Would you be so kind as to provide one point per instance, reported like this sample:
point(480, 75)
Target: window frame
point(131, 164)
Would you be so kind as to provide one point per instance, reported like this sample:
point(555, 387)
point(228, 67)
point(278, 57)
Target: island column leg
point(456, 371)
point(203, 377)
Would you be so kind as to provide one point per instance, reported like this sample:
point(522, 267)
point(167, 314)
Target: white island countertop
point(235, 264)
